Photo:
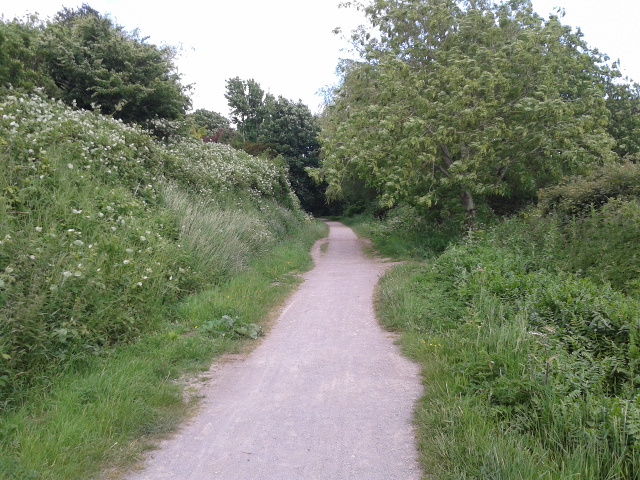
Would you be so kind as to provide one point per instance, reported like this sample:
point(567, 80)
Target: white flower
point(78, 243)
point(70, 166)
point(139, 284)
point(143, 238)
point(76, 212)
point(129, 250)
point(101, 214)
point(38, 229)
point(126, 262)
point(53, 288)
point(67, 274)
point(77, 273)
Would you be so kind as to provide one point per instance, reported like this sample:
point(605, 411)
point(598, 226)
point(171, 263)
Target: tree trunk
point(469, 207)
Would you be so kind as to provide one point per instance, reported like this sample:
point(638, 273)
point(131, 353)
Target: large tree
point(290, 129)
point(98, 65)
point(465, 99)
point(246, 102)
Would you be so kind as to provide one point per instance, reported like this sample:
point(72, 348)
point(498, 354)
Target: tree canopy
point(86, 59)
point(246, 101)
point(278, 127)
point(465, 99)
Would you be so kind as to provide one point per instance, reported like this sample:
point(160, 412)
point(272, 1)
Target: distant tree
point(246, 102)
point(467, 100)
point(209, 120)
point(97, 65)
point(290, 129)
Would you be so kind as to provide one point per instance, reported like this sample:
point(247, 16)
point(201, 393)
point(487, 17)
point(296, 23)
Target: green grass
point(106, 413)
point(530, 368)
point(125, 263)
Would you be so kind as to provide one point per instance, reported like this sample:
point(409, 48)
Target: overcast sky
point(288, 46)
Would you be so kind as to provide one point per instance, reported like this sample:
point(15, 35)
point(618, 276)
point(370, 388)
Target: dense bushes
point(529, 336)
point(85, 59)
point(98, 234)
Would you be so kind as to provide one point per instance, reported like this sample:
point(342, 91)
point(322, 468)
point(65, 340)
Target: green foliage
point(291, 131)
point(20, 56)
point(210, 121)
point(230, 326)
point(530, 350)
point(403, 232)
point(578, 195)
point(88, 61)
point(623, 101)
point(453, 103)
point(98, 65)
point(246, 101)
point(277, 127)
point(108, 413)
point(99, 238)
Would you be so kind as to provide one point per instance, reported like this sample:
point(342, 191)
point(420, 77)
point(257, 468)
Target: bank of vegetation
point(132, 253)
point(497, 153)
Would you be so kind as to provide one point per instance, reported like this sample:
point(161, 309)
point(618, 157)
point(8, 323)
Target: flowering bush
point(93, 248)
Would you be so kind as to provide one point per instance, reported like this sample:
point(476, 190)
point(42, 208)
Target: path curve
point(326, 395)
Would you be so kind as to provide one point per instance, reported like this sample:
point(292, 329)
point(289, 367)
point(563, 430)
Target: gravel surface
point(326, 395)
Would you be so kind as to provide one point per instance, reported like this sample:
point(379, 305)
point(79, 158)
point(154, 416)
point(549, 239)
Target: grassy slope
point(113, 408)
point(531, 371)
point(115, 251)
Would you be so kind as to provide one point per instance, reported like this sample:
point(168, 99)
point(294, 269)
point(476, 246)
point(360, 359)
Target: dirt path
point(325, 396)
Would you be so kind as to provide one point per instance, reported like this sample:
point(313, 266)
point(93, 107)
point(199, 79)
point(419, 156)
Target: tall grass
point(530, 363)
point(107, 239)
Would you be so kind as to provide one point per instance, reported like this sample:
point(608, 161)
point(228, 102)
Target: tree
point(97, 65)
point(290, 129)
point(21, 58)
point(623, 102)
point(246, 101)
point(210, 121)
point(465, 99)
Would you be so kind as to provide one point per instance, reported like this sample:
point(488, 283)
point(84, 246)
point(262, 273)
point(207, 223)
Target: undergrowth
point(528, 333)
point(122, 260)
point(101, 415)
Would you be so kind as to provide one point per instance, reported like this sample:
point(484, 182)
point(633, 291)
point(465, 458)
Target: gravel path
point(326, 395)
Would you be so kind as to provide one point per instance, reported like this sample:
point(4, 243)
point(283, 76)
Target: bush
point(99, 238)
point(579, 194)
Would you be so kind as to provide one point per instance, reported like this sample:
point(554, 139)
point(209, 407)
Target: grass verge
point(104, 414)
point(530, 367)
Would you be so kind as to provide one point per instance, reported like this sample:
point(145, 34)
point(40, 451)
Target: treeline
point(83, 58)
point(463, 108)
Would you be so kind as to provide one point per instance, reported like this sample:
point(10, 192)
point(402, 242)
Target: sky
point(288, 47)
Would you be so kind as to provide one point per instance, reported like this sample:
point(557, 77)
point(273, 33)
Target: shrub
point(98, 237)
point(578, 195)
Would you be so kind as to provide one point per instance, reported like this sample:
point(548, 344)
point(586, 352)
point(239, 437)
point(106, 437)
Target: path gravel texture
point(326, 395)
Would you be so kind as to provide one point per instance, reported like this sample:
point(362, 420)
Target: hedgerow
point(98, 237)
